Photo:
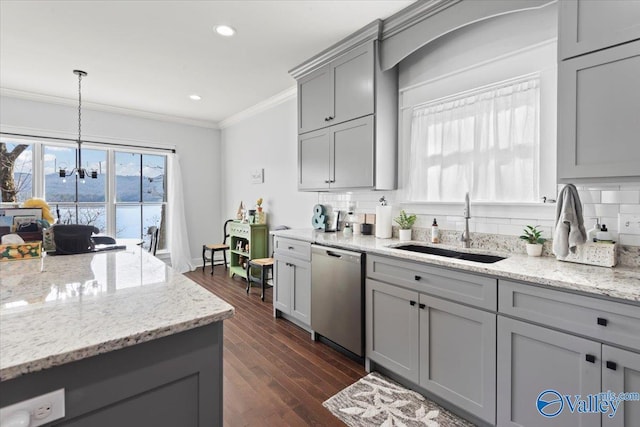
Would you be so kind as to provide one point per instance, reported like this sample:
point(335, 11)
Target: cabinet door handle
point(291, 248)
point(417, 278)
point(412, 303)
point(326, 181)
point(612, 365)
point(602, 321)
point(590, 358)
point(330, 117)
point(422, 305)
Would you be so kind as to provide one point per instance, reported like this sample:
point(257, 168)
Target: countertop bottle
point(603, 234)
point(592, 233)
point(434, 232)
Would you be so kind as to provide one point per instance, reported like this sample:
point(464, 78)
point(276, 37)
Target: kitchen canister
point(383, 220)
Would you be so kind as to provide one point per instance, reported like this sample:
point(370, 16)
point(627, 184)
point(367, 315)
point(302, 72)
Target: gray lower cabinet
point(621, 372)
point(326, 157)
point(532, 359)
point(549, 355)
point(392, 321)
point(292, 290)
point(447, 348)
point(598, 107)
point(167, 382)
point(458, 355)
point(589, 25)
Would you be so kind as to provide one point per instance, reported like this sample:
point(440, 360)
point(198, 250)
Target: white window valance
point(484, 141)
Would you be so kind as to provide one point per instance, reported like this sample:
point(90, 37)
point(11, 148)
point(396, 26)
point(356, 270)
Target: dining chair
point(154, 232)
point(216, 247)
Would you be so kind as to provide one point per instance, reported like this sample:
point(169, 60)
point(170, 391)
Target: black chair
point(213, 248)
point(103, 240)
point(154, 232)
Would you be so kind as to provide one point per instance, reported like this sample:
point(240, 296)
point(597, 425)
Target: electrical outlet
point(629, 224)
point(41, 409)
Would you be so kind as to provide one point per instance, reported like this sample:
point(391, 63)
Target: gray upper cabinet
point(598, 87)
point(598, 110)
point(589, 25)
point(315, 100)
point(347, 110)
point(327, 156)
point(340, 91)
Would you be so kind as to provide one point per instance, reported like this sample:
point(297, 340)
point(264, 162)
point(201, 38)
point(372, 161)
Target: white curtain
point(178, 237)
point(486, 143)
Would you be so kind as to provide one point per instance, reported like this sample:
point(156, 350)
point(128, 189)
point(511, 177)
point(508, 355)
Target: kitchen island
point(131, 341)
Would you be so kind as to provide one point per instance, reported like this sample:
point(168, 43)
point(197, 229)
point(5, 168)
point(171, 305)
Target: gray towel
point(569, 231)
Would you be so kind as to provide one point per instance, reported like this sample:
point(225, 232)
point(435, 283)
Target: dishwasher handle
point(340, 254)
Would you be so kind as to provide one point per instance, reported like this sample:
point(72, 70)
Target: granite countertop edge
point(74, 355)
point(618, 283)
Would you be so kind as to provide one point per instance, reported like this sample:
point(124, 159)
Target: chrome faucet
point(466, 237)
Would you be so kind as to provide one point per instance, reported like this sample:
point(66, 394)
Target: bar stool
point(265, 265)
point(213, 248)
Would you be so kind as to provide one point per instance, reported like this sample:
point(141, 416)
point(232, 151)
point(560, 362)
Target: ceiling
point(149, 56)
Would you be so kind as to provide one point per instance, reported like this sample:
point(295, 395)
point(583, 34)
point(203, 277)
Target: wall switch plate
point(41, 409)
point(629, 224)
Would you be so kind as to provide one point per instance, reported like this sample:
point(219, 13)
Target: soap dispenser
point(592, 233)
point(603, 234)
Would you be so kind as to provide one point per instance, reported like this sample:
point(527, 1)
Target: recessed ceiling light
point(224, 30)
point(195, 97)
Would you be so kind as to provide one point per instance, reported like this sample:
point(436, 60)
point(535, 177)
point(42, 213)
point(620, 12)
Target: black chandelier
point(81, 172)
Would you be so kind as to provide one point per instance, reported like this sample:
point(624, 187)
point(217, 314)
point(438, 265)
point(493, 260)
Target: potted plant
point(259, 204)
point(405, 222)
point(534, 241)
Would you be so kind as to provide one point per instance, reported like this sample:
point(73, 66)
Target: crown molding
point(31, 96)
point(412, 14)
point(367, 33)
point(268, 103)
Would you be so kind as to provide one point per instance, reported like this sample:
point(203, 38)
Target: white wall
point(266, 140)
point(198, 148)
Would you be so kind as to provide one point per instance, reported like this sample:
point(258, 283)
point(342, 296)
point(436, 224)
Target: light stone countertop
point(617, 283)
point(84, 305)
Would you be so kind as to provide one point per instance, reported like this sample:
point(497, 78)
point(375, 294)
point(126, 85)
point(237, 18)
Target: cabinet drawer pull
point(291, 248)
point(412, 303)
point(612, 365)
point(417, 277)
point(422, 305)
point(602, 321)
point(590, 358)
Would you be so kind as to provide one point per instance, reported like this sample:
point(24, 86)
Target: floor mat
point(378, 401)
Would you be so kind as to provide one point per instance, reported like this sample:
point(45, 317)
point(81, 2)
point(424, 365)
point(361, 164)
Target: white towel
point(569, 231)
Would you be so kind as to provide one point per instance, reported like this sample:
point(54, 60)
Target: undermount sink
point(487, 259)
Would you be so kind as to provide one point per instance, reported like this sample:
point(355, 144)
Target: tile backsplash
point(604, 202)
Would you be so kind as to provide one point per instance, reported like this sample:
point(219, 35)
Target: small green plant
point(532, 235)
point(404, 221)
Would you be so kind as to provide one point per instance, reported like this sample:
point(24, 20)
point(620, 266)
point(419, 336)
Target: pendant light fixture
point(80, 171)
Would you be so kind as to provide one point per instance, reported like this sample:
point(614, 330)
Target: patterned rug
point(377, 401)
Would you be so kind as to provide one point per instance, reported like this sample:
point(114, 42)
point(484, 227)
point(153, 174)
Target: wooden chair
point(265, 265)
point(213, 248)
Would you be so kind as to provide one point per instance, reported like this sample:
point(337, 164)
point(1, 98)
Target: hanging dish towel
point(569, 231)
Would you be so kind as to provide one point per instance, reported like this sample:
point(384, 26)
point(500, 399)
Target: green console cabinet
point(248, 241)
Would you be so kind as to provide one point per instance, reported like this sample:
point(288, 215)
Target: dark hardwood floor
point(274, 375)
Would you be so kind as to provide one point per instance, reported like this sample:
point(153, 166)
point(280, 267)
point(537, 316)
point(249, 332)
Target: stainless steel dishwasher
point(337, 296)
